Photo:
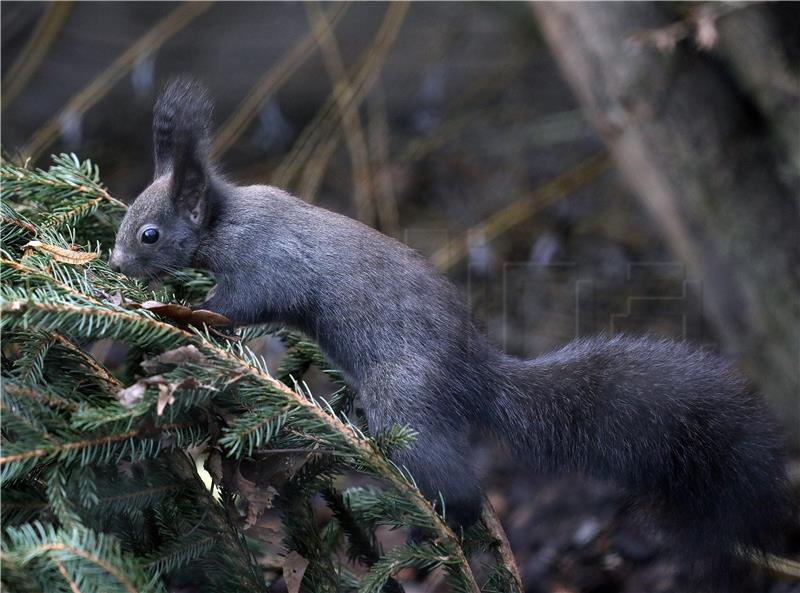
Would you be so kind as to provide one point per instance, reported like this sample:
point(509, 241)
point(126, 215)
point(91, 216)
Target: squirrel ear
point(189, 185)
point(181, 134)
point(181, 119)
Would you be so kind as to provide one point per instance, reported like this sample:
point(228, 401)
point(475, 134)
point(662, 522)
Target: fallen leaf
point(204, 316)
point(117, 299)
point(213, 465)
point(184, 315)
point(59, 253)
point(130, 395)
point(172, 311)
point(134, 393)
point(294, 567)
point(179, 357)
point(257, 498)
point(165, 397)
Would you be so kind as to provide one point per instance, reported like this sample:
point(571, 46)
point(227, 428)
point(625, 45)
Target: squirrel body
point(676, 427)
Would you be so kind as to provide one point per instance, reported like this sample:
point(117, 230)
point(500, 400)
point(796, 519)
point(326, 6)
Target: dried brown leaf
point(178, 357)
point(134, 393)
point(67, 256)
point(213, 465)
point(294, 567)
point(172, 311)
point(117, 299)
point(257, 498)
point(203, 316)
point(184, 315)
point(165, 397)
point(131, 395)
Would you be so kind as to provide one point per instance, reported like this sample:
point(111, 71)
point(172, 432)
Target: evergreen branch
point(30, 362)
point(502, 550)
point(19, 224)
point(423, 556)
point(98, 369)
point(117, 571)
point(361, 543)
point(381, 467)
point(67, 175)
point(58, 498)
point(91, 322)
point(182, 554)
point(75, 213)
point(223, 396)
point(362, 546)
point(51, 280)
point(59, 448)
point(73, 586)
point(23, 425)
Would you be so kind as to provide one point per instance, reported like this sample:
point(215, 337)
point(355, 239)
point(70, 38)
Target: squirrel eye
point(149, 235)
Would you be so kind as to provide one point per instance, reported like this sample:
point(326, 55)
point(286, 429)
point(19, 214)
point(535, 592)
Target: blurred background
point(574, 168)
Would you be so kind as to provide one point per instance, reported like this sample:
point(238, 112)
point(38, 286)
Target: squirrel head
point(166, 222)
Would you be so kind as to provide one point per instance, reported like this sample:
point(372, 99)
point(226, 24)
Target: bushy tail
point(679, 429)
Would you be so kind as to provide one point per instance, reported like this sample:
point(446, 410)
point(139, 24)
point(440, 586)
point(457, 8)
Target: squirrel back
point(678, 428)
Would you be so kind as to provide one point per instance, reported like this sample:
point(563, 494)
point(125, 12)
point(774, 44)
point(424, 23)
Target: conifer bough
point(100, 490)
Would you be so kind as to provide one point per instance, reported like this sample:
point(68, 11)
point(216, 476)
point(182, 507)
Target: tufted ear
point(181, 122)
point(181, 137)
point(189, 183)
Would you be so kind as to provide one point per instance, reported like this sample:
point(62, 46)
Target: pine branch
point(109, 456)
point(45, 547)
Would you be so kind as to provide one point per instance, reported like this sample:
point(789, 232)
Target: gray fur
point(678, 428)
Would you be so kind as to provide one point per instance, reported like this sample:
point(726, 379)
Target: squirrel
point(676, 427)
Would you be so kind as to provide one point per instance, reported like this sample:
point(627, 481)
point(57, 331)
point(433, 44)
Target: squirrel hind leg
point(440, 467)
point(439, 458)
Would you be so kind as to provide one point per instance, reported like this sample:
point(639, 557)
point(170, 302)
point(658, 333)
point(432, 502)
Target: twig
point(96, 560)
point(322, 126)
point(274, 78)
point(73, 586)
point(504, 554)
point(699, 24)
point(348, 112)
point(36, 48)
point(314, 171)
point(522, 209)
point(105, 81)
point(385, 198)
point(98, 368)
point(48, 398)
point(315, 168)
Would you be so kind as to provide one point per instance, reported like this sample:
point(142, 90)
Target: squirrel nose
point(113, 263)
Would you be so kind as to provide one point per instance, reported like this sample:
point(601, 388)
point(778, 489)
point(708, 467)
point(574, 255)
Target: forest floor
point(572, 535)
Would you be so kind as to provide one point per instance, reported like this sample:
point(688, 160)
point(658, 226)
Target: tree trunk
point(695, 145)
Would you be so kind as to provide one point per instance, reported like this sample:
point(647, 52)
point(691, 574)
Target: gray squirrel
point(677, 428)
